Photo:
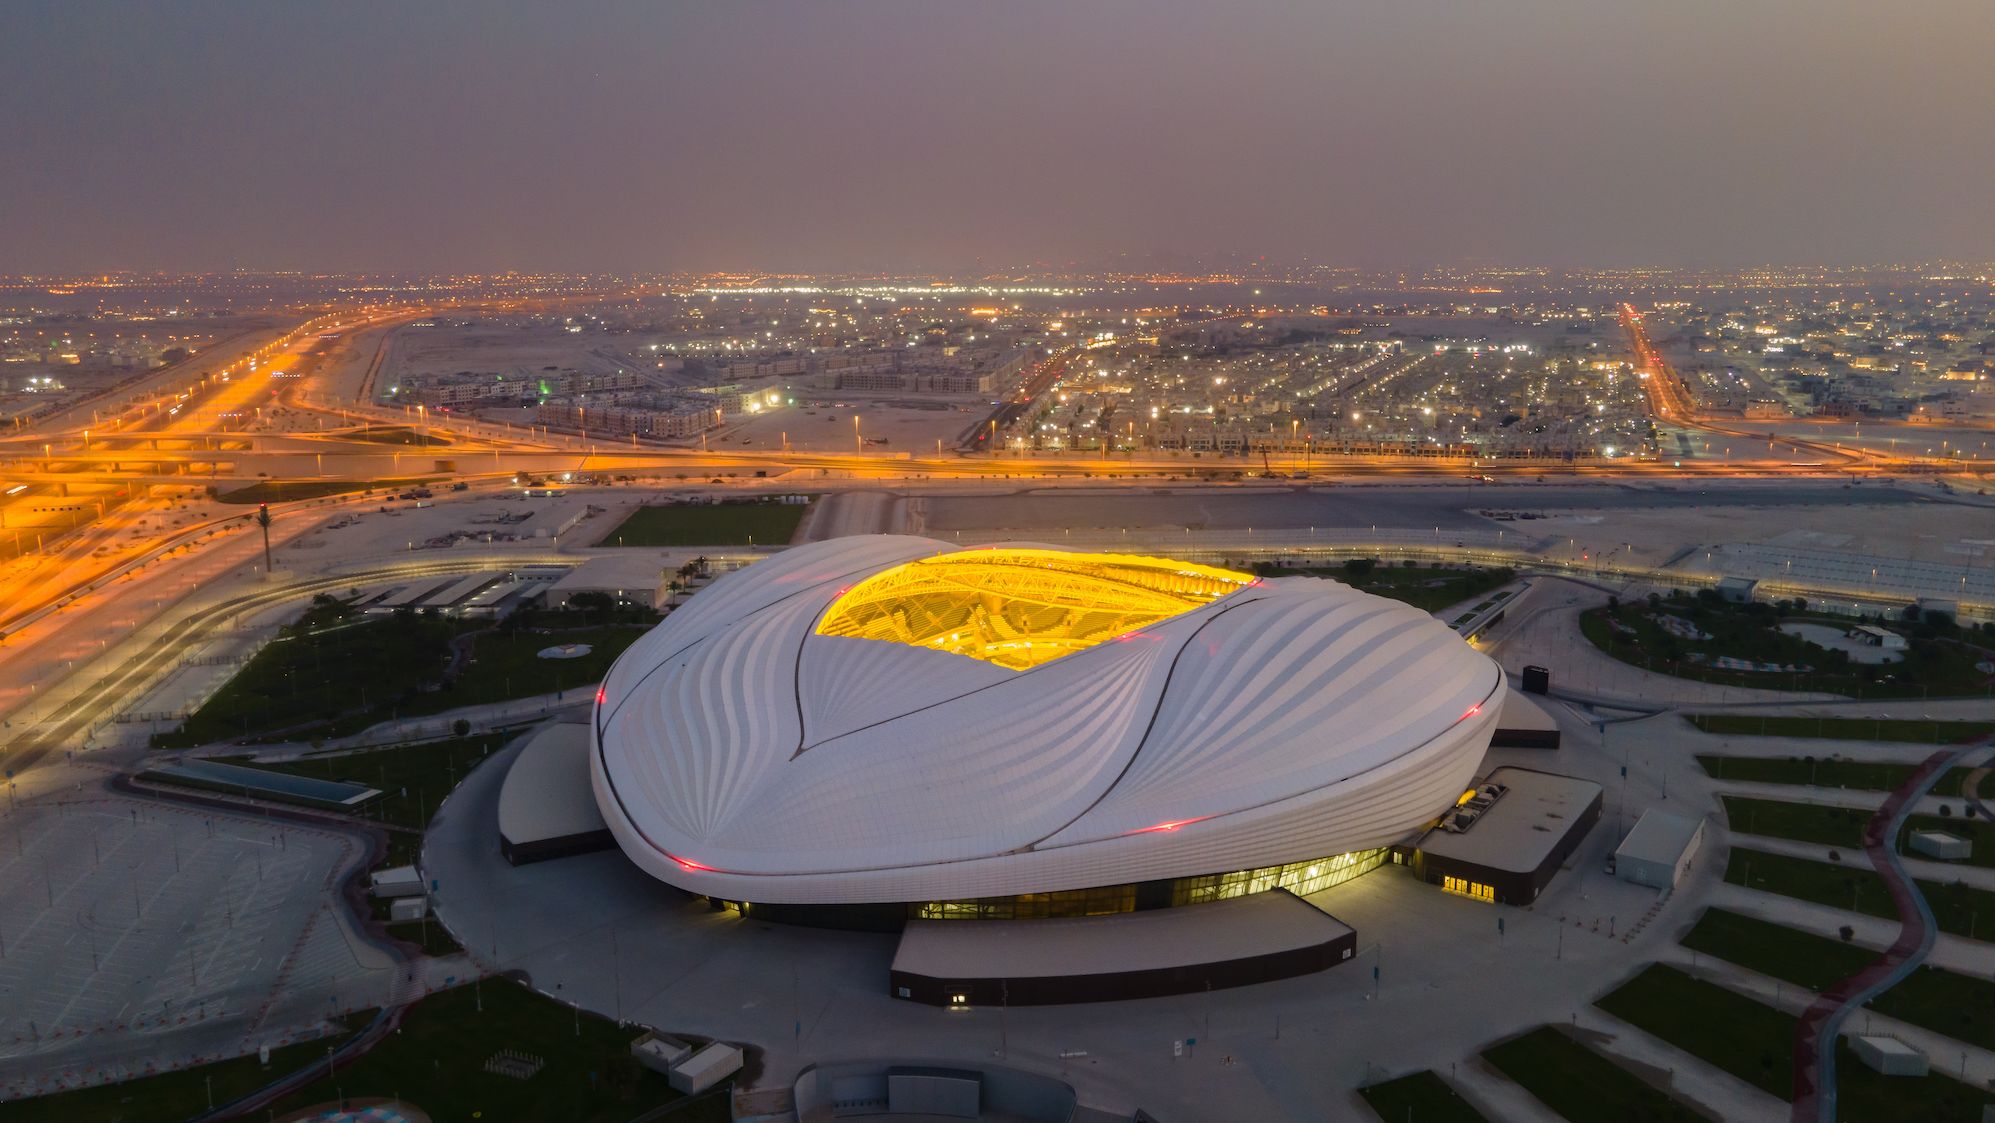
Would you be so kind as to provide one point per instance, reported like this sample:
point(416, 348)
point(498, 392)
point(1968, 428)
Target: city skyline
point(897, 138)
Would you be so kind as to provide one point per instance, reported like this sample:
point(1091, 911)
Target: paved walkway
point(1550, 637)
point(1717, 1093)
point(1497, 1097)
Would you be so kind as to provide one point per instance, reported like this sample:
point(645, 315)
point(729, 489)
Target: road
point(99, 700)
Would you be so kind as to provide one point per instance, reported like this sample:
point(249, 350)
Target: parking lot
point(138, 935)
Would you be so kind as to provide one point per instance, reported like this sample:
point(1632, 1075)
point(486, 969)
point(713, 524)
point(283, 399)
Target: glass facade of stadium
point(1300, 878)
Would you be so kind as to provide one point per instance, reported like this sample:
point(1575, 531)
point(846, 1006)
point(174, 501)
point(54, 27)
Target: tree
point(263, 521)
point(461, 727)
point(1847, 933)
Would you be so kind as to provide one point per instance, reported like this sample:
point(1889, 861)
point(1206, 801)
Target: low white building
point(705, 1068)
point(1889, 1055)
point(1941, 845)
point(1659, 851)
point(659, 1052)
point(397, 881)
point(1870, 635)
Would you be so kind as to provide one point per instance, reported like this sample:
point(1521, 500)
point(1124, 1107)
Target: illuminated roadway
point(109, 533)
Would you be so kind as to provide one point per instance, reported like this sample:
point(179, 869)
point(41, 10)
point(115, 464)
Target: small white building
point(1737, 590)
point(1889, 1055)
point(635, 576)
point(705, 1068)
point(1939, 844)
point(1659, 850)
point(659, 1052)
point(1870, 635)
point(403, 909)
point(397, 881)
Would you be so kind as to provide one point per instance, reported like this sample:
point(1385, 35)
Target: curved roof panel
point(797, 733)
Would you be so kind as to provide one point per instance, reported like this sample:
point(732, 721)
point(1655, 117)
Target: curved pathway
point(1820, 1027)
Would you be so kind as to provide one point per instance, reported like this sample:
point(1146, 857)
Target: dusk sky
point(873, 135)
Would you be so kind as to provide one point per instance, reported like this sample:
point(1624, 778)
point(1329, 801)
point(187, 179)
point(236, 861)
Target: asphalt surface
point(1416, 507)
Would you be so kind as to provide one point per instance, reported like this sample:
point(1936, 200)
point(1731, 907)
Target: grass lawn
point(1727, 1030)
point(1959, 1006)
point(174, 1096)
point(1803, 822)
point(323, 676)
point(1868, 775)
point(286, 491)
point(509, 666)
point(397, 435)
point(1775, 950)
point(437, 1063)
point(1957, 907)
point(1428, 587)
point(1845, 728)
point(1419, 1097)
point(716, 524)
point(1578, 1083)
point(1633, 633)
point(335, 673)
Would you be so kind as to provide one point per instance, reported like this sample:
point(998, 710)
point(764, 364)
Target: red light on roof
point(1472, 711)
point(602, 693)
point(691, 866)
point(1170, 825)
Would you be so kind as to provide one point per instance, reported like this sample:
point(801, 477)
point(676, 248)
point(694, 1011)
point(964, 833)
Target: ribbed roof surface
point(737, 745)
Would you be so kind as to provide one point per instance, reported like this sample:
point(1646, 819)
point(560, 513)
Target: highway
point(97, 701)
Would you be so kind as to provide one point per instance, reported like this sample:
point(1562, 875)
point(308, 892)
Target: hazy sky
point(868, 134)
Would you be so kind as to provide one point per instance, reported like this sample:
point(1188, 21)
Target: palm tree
point(263, 521)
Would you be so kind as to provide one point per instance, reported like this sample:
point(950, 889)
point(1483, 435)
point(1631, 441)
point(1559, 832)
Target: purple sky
point(854, 134)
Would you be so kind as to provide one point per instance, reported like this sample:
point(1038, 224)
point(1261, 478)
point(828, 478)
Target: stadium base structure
point(1254, 939)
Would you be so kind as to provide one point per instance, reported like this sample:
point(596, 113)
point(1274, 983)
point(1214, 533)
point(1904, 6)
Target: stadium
point(895, 726)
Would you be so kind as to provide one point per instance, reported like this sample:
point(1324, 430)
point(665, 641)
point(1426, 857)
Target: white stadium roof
point(1024, 721)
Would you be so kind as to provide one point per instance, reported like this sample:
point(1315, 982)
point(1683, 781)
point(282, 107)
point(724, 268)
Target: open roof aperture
point(1019, 608)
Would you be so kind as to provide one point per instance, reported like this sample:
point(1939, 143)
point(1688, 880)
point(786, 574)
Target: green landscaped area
point(1802, 958)
point(437, 1063)
point(1868, 775)
point(1843, 826)
point(1578, 1083)
point(1959, 1006)
point(336, 672)
point(1957, 907)
point(505, 666)
point(1431, 587)
point(1940, 660)
point(1727, 1030)
point(174, 1096)
point(1918, 731)
point(760, 523)
point(397, 435)
point(286, 491)
point(1419, 1097)
point(1802, 822)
